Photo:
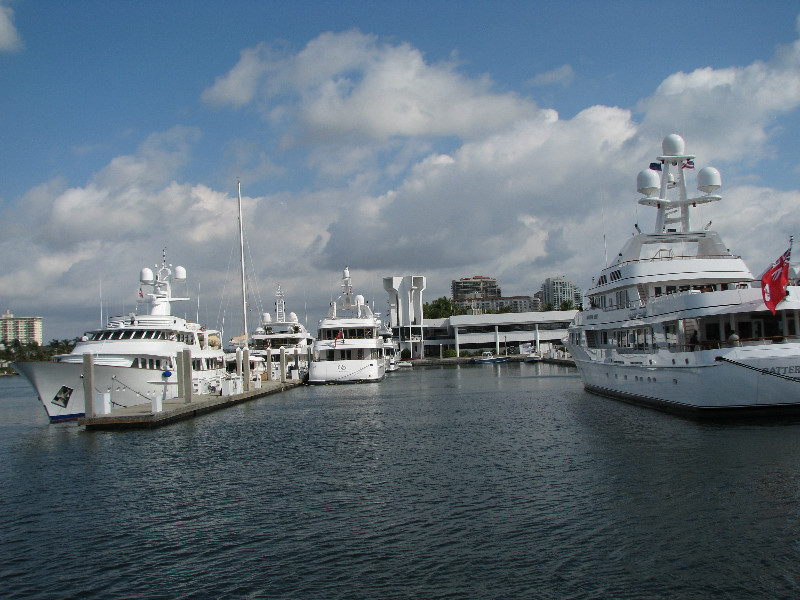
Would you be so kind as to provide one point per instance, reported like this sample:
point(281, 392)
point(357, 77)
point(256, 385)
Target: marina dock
point(466, 360)
point(141, 416)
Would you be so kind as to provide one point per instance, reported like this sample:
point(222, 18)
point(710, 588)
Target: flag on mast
point(775, 280)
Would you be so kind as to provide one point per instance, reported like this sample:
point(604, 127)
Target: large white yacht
point(348, 347)
point(285, 332)
point(134, 355)
point(678, 322)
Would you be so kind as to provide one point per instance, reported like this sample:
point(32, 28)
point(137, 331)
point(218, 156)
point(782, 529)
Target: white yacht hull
point(346, 371)
point(758, 379)
point(59, 386)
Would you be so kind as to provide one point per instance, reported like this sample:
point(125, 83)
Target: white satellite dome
point(359, 300)
point(266, 318)
point(648, 182)
point(146, 276)
point(292, 317)
point(708, 180)
point(180, 274)
point(673, 145)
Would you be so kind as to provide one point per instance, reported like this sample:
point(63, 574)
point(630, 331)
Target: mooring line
point(752, 368)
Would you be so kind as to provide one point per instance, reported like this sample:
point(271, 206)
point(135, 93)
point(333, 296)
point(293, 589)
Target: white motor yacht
point(678, 322)
point(348, 347)
point(286, 332)
point(134, 355)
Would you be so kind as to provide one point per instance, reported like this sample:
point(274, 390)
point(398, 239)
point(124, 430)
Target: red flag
point(775, 280)
point(338, 335)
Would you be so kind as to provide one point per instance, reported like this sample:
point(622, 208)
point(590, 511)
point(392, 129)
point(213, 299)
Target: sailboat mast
point(244, 285)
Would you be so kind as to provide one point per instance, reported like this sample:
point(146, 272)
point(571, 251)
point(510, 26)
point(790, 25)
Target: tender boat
point(134, 355)
point(488, 357)
point(348, 347)
point(678, 322)
point(285, 332)
point(533, 356)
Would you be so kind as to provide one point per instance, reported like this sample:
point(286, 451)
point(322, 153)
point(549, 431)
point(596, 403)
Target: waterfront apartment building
point(514, 304)
point(480, 294)
point(24, 329)
point(477, 287)
point(556, 290)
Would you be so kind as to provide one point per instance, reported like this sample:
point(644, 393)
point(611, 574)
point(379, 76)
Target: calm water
point(490, 481)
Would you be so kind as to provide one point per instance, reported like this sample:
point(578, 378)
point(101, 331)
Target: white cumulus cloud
point(9, 36)
point(350, 84)
point(563, 75)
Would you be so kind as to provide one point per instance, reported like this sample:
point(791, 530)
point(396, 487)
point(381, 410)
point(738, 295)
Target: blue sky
point(447, 139)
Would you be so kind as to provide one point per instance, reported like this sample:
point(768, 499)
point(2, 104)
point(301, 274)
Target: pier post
point(88, 385)
point(157, 402)
point(269, 364)
point(496, 341)
point(283, 364)
point(297, 362)
point(179, 374)
point(239, 362)
point(187, 375)
point(246, 368)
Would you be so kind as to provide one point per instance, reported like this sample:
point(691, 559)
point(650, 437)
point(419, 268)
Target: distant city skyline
point(424, 137)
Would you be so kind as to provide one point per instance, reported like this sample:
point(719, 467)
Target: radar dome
point(673, 145)
point(146, 276)
point(648, 182)
point(708, 180)
point(266, 318)
point(292, 317)
point(180, 273)
point(359, 300)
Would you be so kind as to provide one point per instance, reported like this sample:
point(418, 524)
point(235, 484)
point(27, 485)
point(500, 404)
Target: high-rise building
point(556, 290)
point(24, 329)
point(477, 287)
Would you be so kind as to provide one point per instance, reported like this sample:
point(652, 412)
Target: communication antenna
point(603, 211)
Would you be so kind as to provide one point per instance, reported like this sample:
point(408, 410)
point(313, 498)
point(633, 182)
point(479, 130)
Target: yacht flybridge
point(134, 355)
point(677, 321)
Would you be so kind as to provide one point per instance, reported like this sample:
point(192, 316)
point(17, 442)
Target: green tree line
point(17, 351)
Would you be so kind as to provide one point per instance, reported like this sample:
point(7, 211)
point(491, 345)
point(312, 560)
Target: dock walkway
point(141, 416)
